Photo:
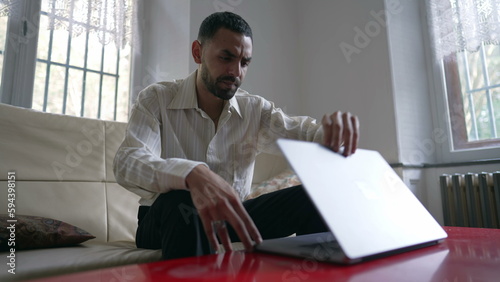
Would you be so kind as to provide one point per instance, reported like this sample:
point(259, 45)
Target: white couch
point(63, 169)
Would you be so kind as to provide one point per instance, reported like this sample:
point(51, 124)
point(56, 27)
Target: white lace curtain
point(458, 25)
point(110, 20)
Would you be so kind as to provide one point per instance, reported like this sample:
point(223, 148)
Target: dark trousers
point(173, 225)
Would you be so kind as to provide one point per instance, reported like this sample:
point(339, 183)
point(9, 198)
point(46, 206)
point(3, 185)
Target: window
point(81, 63)
point(3, 33)
point(466, 40)
point(473, 90)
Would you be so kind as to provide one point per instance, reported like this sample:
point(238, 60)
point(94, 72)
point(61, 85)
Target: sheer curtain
point(457, 25)
point(111, 20)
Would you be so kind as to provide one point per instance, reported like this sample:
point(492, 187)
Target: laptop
point(367, 208)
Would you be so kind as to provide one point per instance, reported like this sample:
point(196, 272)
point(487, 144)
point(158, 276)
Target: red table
point(468, 254)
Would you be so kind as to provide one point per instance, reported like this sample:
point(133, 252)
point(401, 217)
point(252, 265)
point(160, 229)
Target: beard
point(223, 92)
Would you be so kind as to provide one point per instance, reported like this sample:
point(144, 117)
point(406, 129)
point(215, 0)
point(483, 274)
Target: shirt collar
point(233, 104)
point(186, 98)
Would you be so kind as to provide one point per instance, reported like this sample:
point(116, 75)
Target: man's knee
point(173, 197)
point(299, 189)
point(176, 204)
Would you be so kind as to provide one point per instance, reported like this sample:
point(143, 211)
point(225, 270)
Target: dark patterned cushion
point(34, 232)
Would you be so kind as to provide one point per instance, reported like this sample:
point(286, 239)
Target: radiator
point(471, 200)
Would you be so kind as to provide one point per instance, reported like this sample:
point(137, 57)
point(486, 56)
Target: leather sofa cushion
point(105, 210)
point(87, 256)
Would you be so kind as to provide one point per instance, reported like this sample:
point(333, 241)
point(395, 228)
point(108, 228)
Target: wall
point(415, 136)
point(368, 57)
point(359, 82)
point(162, 43)
point(420, 141)
point(298, 64)
point(409, 77)
point(274, 69)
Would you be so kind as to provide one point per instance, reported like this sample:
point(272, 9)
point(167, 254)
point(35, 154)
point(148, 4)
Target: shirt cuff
point(177, 174)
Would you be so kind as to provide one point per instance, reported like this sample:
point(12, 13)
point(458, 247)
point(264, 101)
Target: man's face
point(224, 62)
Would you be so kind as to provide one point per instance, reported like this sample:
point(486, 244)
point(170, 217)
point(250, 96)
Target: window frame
point(20, 62)
point(18, 74)
point(456, 109)
point(445, 150)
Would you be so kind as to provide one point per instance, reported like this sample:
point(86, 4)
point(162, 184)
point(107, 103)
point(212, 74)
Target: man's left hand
point(341, 129)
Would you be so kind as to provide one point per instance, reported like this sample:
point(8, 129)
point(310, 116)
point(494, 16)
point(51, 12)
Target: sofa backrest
point(63, 171)
point(63, 168)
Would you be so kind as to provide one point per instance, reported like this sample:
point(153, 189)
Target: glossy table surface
point(468, 254)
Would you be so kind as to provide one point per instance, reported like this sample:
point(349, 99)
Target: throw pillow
point(285, 179)
point(34, 232)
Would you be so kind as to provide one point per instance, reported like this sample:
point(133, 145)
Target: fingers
point(242, 223)
point(355, 136)
point(216, 228)
point(245, 227)
point(327, 131)
point(347, 133)
point(341, 129)
point(221, 230)
point(215, 200)
point(209, 231)
point(234, 214)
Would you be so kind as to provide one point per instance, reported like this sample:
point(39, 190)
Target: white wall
point(360, 83)
point(416, 136)
point(274, 70)
point(162, 43)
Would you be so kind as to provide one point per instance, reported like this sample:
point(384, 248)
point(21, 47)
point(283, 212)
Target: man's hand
point(217, 201)
point(341, 129)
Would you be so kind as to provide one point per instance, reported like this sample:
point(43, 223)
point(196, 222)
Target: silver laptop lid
point(363, 201)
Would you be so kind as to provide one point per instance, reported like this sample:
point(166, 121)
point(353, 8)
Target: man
point(190, 149)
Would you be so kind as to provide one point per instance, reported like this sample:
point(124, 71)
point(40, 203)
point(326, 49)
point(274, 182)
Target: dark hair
point(227, 20)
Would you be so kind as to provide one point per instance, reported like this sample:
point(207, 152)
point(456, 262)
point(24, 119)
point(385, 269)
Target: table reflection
point(224, 267)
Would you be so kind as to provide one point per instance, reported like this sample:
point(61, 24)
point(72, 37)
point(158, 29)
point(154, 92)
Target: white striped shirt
point(168, 135)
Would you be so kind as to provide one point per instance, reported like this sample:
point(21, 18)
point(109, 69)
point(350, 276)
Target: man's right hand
point(216, 201)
